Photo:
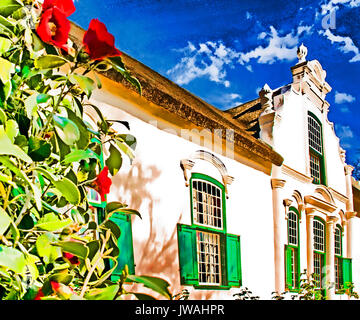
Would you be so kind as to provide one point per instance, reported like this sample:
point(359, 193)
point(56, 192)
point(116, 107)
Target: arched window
point(209, 257)
point(319, 251)
point(316, 150)
point(292, 250)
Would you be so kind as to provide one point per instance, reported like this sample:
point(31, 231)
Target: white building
point(247, 197)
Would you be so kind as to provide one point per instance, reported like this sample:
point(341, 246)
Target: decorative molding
point(320, 204)
point(350, 214)
point(277, 183)
point(331, 219)
point(186, 165)
point(296, 174)
point(348, 169)
point(287, 203)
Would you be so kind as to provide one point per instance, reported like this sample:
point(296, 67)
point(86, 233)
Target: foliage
point(51, 246)
point(245, 294)
point(308, 289)
point(349, 290)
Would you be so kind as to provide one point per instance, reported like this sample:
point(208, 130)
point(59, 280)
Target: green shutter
point(187, 255)
point(288, 273)
point(125, 244)
point(347, 271)
point(233, 258)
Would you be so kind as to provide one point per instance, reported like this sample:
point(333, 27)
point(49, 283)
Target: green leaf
point(44, 248)
point(142, 296)
point(114, 161)
point(49, 62)
point(42, 97)
point(7, 7)
point(114, 206)
point(36, 191)
point(78, 155)
point(61, 277)
point(131, 211)
point(39, 149)
point(69, 190)
point(107, 293)
point(119, 66)
point(66, 129)
point(85, 83)
point(157, 284)
point(8, 148)
point(7, 68)
point(12, 259)
point(2, 116)
point(5, 221)
point(51, 222)
point(125, 148)
point(5, 45)
point(76, 248)
point(84, 140)
point(12, 129)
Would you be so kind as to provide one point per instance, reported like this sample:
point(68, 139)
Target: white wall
point(155, 185)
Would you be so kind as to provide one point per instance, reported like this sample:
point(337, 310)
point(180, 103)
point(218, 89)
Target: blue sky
point(225, 51)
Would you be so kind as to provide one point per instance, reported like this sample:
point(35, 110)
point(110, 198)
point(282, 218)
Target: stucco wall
point(154, 184)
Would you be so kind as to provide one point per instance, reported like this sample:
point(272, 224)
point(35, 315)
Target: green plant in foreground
point(51, 246)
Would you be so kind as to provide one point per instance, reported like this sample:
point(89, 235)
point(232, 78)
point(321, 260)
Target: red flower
point(61, 290)
point(98, 42)
point(39, 295)
point(102, 183)
point(66, 6)
point(54, 28)
point(72, 259)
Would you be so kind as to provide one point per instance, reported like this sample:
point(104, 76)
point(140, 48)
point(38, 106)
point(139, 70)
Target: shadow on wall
point(157, 254)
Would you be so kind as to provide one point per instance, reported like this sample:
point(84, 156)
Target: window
point(343, 272)
point(209, 257)
point(123, 221)
point(316, 152)
point(319, 251)
point(292, 251)
point(338, 261)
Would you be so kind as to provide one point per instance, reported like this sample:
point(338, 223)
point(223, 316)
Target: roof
point(169, 96)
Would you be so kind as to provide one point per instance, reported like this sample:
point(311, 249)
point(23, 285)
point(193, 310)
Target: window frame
point(316, 153)
point(295, 249)
point(322, 254)
point(339, 258)
point(221, 232)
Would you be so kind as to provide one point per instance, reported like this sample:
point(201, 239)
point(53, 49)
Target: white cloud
point(347, 45)
point(278, 47)
point(248, 15)
point(212, 58)
point(225, 101)
point(343, 98)
point(333, 4)
point(208, 60)
point(344, 132)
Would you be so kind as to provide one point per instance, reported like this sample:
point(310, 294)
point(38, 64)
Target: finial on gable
point(302, 53)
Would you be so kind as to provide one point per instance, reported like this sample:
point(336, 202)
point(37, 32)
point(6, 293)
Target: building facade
point(251, 197)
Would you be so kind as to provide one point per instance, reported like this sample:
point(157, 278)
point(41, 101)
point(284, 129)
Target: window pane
point(314, 134)
point(292, 228)
point(207, 204)
point(319, 236)
point(315, 169)
point(338, 241)
point(208, 249)
point(318, 265)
